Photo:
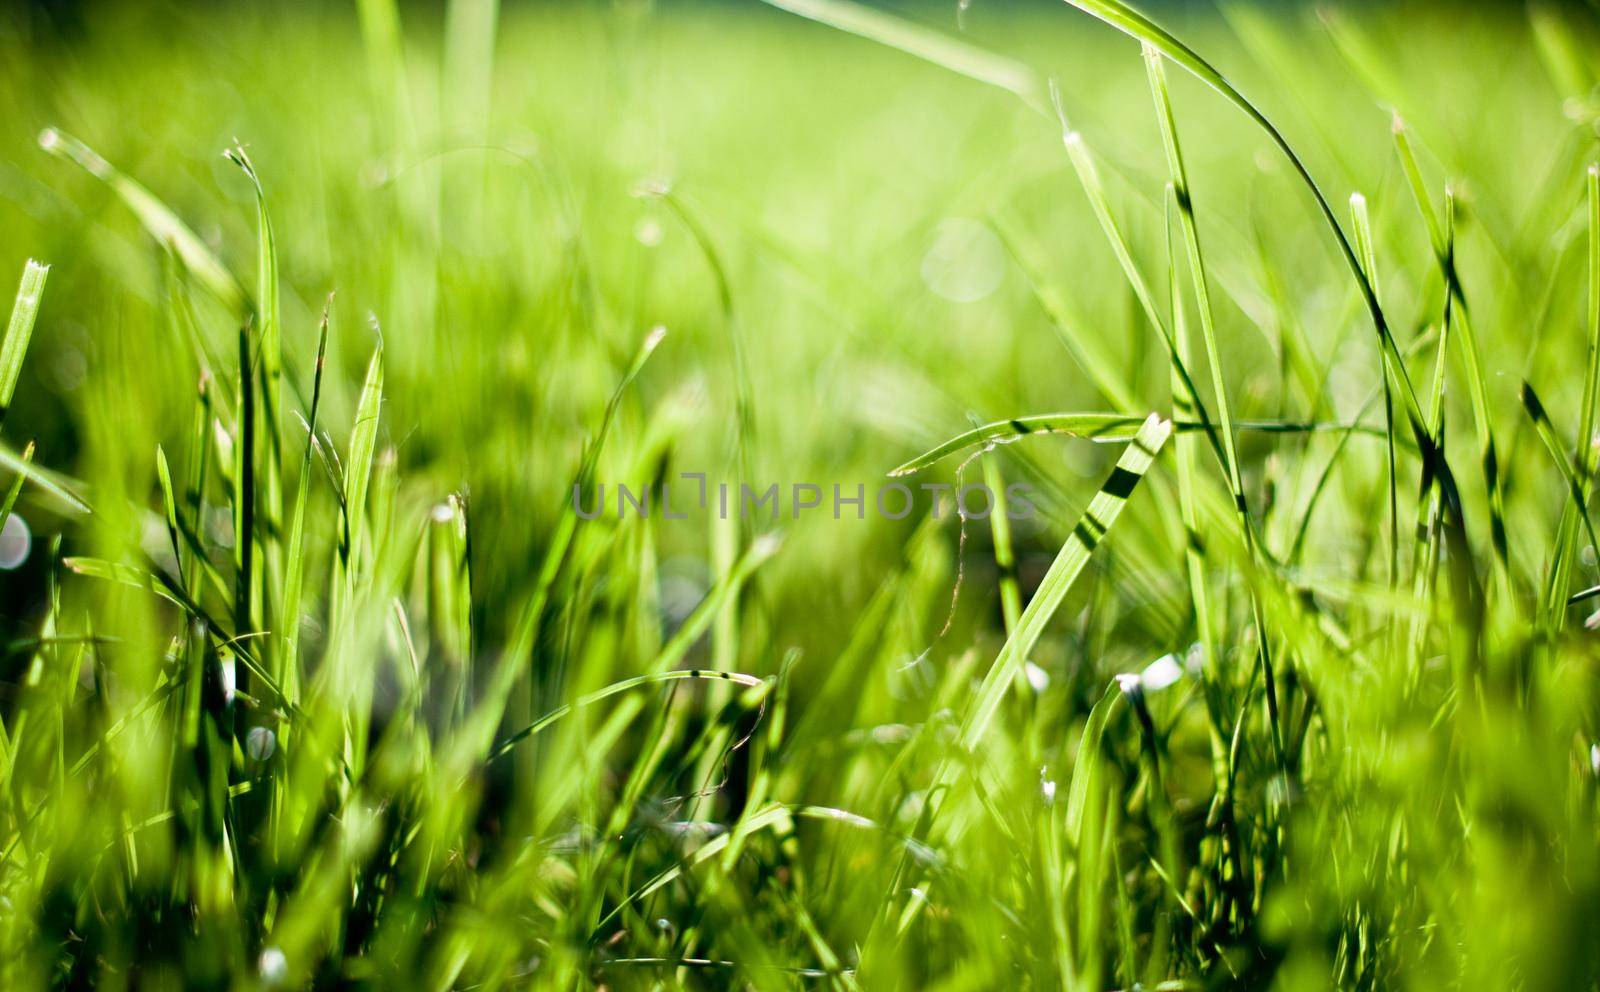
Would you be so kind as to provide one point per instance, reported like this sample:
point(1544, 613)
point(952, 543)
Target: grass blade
point(158, 219)
point(294, 568)
point(1103, 428)
point(1096, 521)
point(24, 312)
point(932, 46)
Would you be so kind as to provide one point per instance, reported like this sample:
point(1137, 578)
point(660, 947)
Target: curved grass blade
point(157, 218)
point(1183, 196)
point(932, 46)
point(736, 678)
point(1141, 28)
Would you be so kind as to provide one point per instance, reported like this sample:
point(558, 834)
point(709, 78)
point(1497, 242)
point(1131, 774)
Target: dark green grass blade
point(1572, 474)
point(269, 358)
point(1561, 562)
point(358, 466)
point(295, 562)
point(1444, 250)
point(1590, 410)
point(1208, 334)
point(245, 591)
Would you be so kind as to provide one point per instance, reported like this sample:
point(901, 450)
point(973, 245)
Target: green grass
point(316, 676)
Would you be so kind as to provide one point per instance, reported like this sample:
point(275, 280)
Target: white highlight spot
point(260, 743)
point(965, 263)
point(274, 967)
point(648, 233)
point(1161, 673)
point(1037, 677)
point(15, 542)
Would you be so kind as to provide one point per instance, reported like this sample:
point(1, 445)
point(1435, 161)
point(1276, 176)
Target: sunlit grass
point(317, 673)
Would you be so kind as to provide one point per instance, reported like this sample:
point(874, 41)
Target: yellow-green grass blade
point(1208, 334)
point(1194, 549)
point(19, 330)
point(1140, 27)
point(1591, 377)
point(15, 489)
point(59, 487)
point(1103, 428)
point(1187, 404)
point(1092, 527)
point(1361, 226)
point(932, 46)
point(1197, 269)
point(1561, 562)
point(157, 218)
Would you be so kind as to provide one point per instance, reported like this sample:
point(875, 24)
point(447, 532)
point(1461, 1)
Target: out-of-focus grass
point(427, 727)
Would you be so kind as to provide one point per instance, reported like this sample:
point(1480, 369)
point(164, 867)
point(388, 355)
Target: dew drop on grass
point(260, 743)
point(966, 261)
point(274, 967)
point(1161, 673)
point(15, 542)
point(1037, 677)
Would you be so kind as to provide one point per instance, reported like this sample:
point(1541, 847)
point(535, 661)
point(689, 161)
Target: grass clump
point(316, 675)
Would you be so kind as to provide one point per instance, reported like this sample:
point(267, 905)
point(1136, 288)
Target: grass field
point(318, 671)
